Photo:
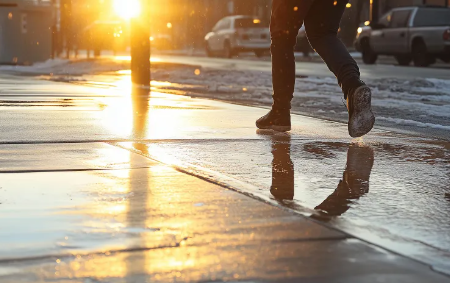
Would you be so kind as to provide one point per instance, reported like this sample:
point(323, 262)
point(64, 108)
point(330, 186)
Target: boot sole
point(275, 128)
point(362, 120)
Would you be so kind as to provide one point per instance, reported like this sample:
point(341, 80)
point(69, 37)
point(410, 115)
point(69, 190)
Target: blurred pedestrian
point(321, 19)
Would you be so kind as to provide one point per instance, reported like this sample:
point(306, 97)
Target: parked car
point(235, 34)
point(104, 35)
point(161, 42)
point(418, 34)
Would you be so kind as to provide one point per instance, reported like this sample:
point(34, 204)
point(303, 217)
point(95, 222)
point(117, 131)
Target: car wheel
point(403, 60)
point(368, 55)
point(420, 54)
point(227, 51)
point(259, 53)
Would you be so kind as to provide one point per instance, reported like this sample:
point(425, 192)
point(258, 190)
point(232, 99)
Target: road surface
point(312, 69)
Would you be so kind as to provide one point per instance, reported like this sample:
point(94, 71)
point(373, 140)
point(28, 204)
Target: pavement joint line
point(211, 180)
point(204, 140)
point(112, 141)
point(127, 250)
point(68, 170)
point(176, 245)
point(60, 95)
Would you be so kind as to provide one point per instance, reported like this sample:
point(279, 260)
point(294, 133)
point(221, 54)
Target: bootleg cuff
point(281, 106)
point(350, 85)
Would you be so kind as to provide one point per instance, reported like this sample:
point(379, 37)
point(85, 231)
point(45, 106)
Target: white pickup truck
point(418, 34)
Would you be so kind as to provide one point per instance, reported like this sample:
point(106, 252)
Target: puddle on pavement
point(75, 211)
point(121, 81)
point(96, 211)
point(47, 104)
point(392, 193)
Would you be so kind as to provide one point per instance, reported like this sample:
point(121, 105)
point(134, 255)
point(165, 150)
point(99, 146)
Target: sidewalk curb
point(185, 169)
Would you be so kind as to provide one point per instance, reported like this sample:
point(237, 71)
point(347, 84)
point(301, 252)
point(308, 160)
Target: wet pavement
point(143, 221)
point(74, 174)
point(388, 192)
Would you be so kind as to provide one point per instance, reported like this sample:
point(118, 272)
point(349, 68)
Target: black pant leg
point(287, 18)
point(322, 25)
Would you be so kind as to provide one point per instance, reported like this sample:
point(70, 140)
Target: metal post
point(140, 46)
point(374, 10)
point(66, 25)
point(54, 29)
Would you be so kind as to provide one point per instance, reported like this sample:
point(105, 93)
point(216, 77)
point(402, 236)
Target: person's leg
point(322, 25)
point(287, 18)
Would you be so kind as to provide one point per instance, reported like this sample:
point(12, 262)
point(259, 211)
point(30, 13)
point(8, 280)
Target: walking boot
point(361, 118)
point(277, 119)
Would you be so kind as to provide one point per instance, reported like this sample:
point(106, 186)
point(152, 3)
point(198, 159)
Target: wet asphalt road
point(312, 68)
point(387, 188)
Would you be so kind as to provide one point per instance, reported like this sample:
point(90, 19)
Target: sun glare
point(127, 9)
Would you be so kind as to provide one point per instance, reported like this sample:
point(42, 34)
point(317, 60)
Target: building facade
point(188, 21)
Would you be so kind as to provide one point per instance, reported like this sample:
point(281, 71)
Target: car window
point(400, 18)
point(222, 24)
point(386, 19)
point(217, 26)
point(225, 24)
point(432, 17)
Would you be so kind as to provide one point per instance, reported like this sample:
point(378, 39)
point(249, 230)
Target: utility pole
point(54, 29)
point(374, 10)
point(67, 25)
point(140, 46)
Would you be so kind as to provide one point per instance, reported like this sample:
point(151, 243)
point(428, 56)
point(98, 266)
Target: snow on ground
point(38, 68)
point(64, 67)
point(418, 102)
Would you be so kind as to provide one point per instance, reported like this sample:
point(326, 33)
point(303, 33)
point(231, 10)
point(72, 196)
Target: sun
point(127, 9)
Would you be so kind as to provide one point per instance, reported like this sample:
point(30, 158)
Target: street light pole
point(140, 46)
point(374, 10)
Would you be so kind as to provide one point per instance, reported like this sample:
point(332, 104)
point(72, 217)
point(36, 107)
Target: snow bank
point(45, 67)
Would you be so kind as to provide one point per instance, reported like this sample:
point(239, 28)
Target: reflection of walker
point(354, 183)
point(282, 168)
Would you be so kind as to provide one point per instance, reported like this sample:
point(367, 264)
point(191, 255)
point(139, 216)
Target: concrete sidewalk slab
point(160, 225)
point(384, 185)
point(16, 158)
point(113, 115)
point(43, 208)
